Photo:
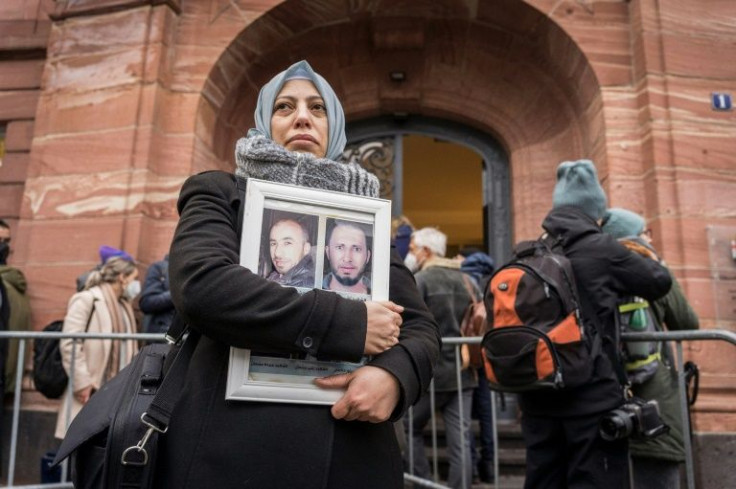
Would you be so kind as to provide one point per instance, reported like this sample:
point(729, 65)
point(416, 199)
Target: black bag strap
point(692, 381)
point(177, 329)
point(158, 415)
point(86, 326)
point(89, 319)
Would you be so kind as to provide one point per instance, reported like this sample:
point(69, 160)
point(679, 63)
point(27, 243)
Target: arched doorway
point(493, 185)
point(479, 71)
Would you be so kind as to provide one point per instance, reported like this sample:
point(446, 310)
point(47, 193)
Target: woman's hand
point(371, 394)
point(384, 325)
point(83, 395)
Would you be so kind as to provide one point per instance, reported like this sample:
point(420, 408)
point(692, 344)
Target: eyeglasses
point(5, 240)
point(647, 232)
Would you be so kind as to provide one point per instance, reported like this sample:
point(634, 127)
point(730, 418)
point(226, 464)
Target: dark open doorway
point(440, 173)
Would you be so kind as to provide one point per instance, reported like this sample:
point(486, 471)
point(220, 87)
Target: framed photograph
point(308, 239)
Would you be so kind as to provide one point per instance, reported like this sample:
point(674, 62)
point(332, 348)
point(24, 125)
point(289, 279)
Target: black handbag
point(49, 376)
point(112, 442)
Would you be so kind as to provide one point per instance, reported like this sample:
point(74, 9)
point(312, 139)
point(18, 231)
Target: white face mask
point(132, 289)
point(411, 262)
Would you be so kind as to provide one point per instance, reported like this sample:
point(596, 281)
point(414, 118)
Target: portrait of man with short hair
point(289, 247)
point(347, 257)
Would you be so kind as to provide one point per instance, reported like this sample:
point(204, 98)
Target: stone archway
point(495, 68)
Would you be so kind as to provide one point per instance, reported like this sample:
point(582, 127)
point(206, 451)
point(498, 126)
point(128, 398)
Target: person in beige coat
point(106, 304)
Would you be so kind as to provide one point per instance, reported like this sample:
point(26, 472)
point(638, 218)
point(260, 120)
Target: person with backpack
point(442, 286)
point(655, 462)
point(561, 426)
point(479, 267)
point(104, 306)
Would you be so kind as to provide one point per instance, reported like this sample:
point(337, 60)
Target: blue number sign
point(721, 101)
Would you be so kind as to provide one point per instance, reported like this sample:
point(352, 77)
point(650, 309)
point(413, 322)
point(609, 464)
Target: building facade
point(108, 105)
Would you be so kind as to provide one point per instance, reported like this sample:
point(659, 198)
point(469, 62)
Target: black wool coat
point(232, 444)
point(604, 271)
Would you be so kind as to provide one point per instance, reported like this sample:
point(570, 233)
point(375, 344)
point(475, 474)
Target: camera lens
point(615, 425)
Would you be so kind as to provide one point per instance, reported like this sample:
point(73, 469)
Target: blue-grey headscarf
point(335, 115)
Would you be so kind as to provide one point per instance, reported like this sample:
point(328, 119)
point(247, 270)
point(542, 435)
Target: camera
point(636, 418)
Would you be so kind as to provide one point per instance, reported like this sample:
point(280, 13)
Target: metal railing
point(678, 337)
point(22, 337)
point(671, 336)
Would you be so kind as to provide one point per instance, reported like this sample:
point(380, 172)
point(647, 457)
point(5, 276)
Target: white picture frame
point(269, 207)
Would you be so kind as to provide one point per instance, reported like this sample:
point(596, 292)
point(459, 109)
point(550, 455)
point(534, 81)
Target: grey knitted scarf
point(257, 156)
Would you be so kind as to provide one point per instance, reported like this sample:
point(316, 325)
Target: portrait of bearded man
point(348, 253)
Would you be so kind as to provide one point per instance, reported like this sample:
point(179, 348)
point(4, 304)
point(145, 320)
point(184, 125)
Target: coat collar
point(569, 224)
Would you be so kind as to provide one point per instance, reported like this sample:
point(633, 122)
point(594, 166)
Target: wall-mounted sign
point(721, 101)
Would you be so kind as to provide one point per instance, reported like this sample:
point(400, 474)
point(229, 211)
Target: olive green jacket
point(20, 317)
point(673, 312)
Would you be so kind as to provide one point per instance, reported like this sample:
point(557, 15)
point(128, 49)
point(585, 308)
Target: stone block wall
point(25, 29)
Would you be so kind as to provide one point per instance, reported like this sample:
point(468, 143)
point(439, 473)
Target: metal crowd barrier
point(677, 336)
point(669, 336)
point(22, 336)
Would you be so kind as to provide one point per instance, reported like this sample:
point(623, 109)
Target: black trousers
point(568, 453)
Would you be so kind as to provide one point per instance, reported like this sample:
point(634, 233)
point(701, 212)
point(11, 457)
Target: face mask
point(411, 262)
point(132, 289)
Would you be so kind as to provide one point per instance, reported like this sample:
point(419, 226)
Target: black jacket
point(216, 443)
point(155, 299)
point(301, 275)
point(604, 271)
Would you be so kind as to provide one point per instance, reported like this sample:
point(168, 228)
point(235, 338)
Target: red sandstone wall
point(688, 168)
point(24, 28)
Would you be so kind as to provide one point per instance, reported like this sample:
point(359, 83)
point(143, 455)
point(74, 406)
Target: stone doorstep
point(504, 482)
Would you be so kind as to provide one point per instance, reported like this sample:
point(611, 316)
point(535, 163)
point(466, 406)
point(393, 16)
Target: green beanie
point(577, 186)
point(622, 223)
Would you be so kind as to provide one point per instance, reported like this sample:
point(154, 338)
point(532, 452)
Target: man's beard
point(348, 281)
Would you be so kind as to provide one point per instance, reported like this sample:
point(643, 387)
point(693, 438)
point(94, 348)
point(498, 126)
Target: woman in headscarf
point(104, 306)
point(212, 442)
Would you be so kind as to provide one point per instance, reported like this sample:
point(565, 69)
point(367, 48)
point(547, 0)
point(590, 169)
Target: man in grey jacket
point(440, 282)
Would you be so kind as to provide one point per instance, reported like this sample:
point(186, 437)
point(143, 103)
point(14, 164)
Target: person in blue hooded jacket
point(155, 300)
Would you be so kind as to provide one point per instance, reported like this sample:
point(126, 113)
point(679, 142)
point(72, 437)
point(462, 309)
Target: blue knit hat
point(622, 223)
point(577, 186)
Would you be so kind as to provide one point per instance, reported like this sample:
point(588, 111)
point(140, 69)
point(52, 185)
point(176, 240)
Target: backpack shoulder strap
point(601, 342)
point(606, 344)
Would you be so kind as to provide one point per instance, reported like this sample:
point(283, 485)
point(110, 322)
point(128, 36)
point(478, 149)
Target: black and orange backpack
point(536, 337)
